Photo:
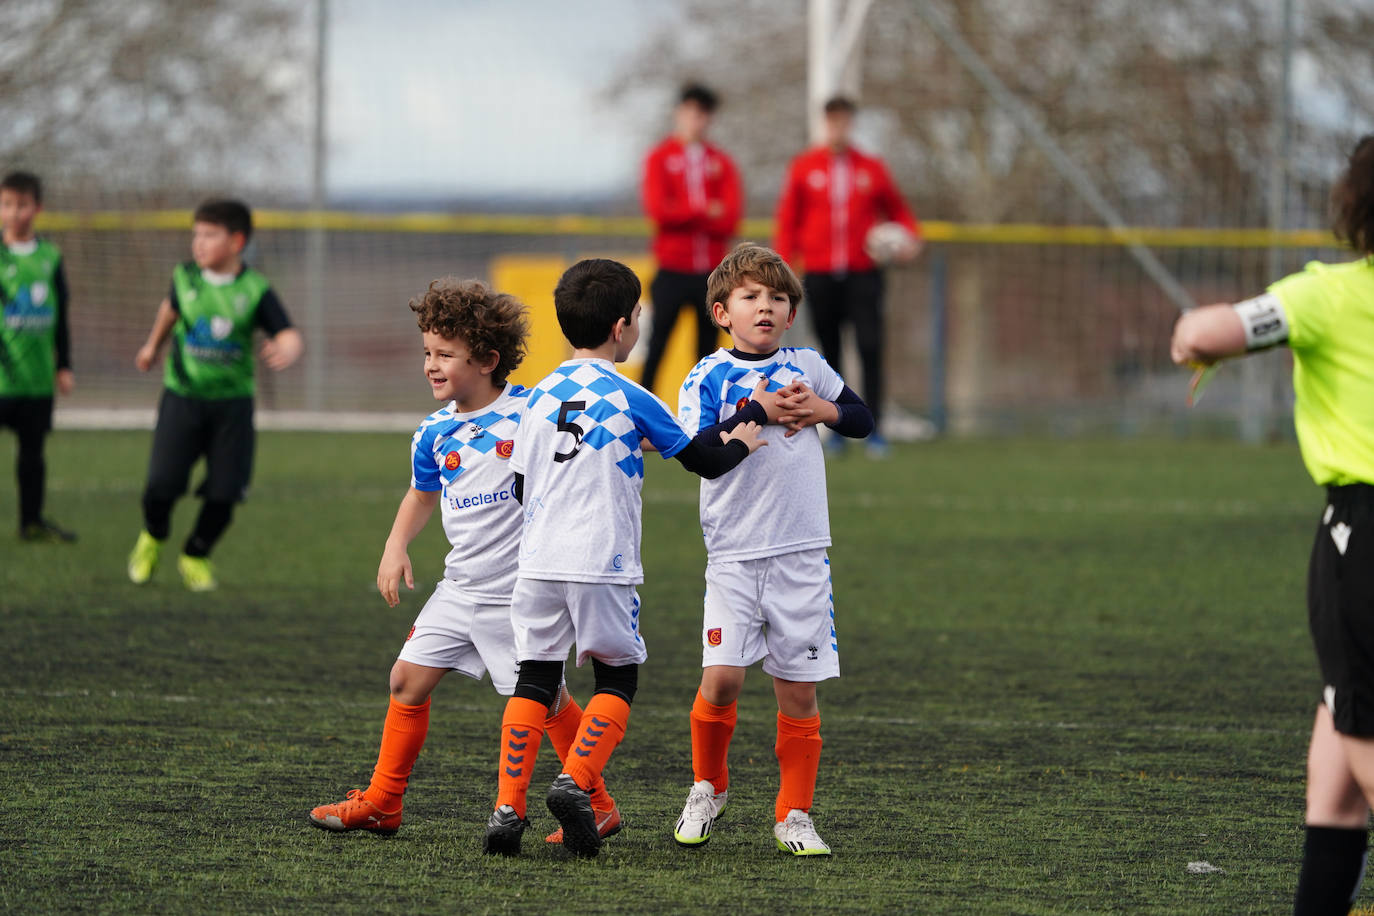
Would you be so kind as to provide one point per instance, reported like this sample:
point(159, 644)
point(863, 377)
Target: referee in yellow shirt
point(1325, 315)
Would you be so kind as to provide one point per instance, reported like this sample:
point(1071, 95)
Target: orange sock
point(712, 728)
point(799, 754)
point(402, 737)
point(522, 728)
point(601, 729)
point(562, 732)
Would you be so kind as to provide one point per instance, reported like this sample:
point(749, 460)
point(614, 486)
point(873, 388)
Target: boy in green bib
point(215, 304)
point(35, 355)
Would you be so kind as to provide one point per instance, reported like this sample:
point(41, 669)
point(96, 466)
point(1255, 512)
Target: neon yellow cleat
point(196, 573)
point(143, 558)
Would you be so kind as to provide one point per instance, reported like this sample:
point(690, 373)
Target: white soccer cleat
point(704, 805)
point(797, 835)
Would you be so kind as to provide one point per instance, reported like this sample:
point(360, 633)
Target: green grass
point(1070, 669)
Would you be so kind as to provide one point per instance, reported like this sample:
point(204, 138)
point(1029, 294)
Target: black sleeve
point(271, 316)
point(63, 335)
point(856, 420)
point(520, 488)
point(711, 461)
point(172, 297)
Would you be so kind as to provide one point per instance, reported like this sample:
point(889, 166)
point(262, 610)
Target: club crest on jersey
point(742, 403)
point(452, 460)
point(411, 633)
point(713, 636)
point(505, 448)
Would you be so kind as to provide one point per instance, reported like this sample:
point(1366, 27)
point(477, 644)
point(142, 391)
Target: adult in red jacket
point(692, 195)
point(832, 196)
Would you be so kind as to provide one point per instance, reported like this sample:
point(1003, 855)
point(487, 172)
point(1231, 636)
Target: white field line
point(152, 699)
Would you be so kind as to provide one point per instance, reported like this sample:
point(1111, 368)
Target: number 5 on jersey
point(566, 425)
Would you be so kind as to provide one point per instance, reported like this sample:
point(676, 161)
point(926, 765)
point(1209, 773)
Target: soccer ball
point(888, 242)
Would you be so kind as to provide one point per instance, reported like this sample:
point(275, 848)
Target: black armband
point(519, 488)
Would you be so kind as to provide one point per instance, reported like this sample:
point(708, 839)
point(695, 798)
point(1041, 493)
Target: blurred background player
point(1325, 315)
point(35, 349)
point(767, 528)
point(215, 303)
point(832, 196)
point(692, 196)
point(460, 460)
point(579, 470)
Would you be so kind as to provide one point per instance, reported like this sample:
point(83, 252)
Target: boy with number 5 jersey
point(460, 461)
point(579, 469)
point(767, 574)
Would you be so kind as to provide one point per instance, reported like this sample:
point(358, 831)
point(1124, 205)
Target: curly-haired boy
point(460, 460)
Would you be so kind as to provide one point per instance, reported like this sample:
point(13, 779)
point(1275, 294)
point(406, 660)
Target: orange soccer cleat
point(607, 824)
point(356, 813)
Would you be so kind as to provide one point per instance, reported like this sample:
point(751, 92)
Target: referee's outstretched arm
point(1207, 334)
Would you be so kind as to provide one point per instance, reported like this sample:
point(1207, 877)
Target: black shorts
point(26, 416)
point(1340, 606)
point(188, 428)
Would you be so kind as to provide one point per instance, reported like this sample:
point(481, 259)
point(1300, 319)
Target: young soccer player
point(579, 469)
point(35, 353)
point(460, 460)
point(767, 574)
point(1325, 315)
point(215, 304)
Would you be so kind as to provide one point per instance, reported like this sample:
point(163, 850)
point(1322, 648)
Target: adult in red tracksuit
point(832, 196)
point(692, 195)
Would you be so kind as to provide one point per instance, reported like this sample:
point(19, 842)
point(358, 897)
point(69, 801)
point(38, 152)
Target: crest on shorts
point(713, 636)
point(452, 460)
point(505, 448)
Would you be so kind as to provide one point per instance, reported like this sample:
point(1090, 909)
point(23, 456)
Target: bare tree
point(144, 96)
point(1169, 104)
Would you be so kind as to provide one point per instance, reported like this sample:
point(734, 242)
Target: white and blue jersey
point(578, 447)
point(467, 456)
point(774, 503)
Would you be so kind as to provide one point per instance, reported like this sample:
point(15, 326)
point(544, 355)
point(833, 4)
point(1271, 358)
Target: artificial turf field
point(1071, 669)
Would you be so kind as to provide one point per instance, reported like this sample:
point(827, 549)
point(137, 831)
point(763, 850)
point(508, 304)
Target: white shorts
point(778, 609)
point(600, 617)
point(472, 639)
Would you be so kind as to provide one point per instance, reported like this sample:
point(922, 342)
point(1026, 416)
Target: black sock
point(1333, 860)
point(157, 516)
point(214, 518)
point(31, 471)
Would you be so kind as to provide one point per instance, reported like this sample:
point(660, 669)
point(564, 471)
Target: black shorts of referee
point(1340, 606)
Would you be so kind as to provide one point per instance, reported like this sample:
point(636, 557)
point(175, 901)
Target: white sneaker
point(704, 805)
point(797, 835)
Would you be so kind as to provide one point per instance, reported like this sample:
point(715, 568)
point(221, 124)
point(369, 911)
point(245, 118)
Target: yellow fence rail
point(762, 229)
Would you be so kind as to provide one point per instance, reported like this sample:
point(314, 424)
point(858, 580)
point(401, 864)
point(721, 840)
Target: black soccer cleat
point(44, 531)
point(572, 805)
point(504, 829)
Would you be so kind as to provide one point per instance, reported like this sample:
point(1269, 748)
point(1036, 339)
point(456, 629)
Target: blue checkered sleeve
point(655, 422)
point(424, 468)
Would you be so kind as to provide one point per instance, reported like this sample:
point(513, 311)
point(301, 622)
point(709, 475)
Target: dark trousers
point(187, 428)
point(31, 420)
point(856, 298)
point(670, 292)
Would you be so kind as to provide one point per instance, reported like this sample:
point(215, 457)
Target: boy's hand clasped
point(800, 407)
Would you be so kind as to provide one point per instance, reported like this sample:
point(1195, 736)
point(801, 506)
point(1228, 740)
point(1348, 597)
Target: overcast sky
point(480, 96)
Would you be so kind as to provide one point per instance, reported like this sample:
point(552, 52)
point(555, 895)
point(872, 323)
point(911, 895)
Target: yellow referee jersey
point(1330, 312)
